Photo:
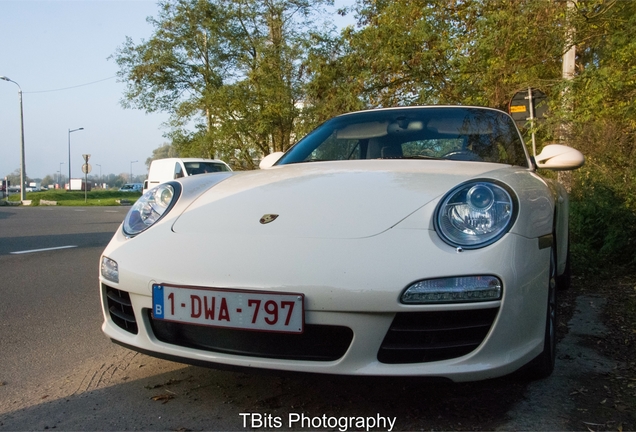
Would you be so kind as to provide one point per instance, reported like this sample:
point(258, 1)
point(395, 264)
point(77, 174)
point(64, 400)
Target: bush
point(602, 228)
point(76, 198)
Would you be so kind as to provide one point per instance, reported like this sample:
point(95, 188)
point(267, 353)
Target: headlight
point(150, 208)
point(475, 214)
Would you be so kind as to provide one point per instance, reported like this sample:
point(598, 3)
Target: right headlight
point(150, 208)
point(475, 214)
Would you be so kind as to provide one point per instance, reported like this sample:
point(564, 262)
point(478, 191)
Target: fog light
point(454, 290)
point(110, 269)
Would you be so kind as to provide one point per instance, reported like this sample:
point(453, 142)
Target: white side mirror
point(269, 160)
point(559, 158)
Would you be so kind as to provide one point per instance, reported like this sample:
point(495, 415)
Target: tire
point(543, 365)
point(565, 280)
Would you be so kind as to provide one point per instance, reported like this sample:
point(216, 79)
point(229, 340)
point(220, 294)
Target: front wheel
point(543, 365)
point(565, 280)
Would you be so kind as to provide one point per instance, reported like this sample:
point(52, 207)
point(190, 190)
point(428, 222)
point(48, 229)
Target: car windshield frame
point(473, 134)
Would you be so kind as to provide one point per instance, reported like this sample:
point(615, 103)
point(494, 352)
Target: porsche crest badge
point(268, 218)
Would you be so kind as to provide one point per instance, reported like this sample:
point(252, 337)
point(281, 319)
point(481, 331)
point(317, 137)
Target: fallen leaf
point(164, 398)
point(167, 383)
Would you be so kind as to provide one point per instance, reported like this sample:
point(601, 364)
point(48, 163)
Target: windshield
point(204, 167)
point(454, 133)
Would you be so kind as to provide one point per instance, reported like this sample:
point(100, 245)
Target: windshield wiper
point(313, 160)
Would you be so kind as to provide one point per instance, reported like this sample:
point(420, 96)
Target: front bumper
point(353, 285)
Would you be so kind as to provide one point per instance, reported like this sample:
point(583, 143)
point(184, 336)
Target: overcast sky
point(57, 51)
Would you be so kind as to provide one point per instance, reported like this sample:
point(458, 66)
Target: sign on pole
point(526, 107)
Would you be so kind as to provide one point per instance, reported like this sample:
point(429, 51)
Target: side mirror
point(559, 157)
point(269, 160)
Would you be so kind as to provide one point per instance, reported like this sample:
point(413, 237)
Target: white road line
point(43, 250)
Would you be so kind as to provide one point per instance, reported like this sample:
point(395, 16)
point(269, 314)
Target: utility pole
point(568, 67)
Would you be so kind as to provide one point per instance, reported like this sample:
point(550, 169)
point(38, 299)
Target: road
point(57, 370)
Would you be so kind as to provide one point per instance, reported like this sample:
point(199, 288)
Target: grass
point(76, 198)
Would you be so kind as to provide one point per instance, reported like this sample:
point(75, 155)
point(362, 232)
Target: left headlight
point(150, 208)
point(475, 214)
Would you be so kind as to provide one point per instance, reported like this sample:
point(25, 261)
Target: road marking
point(43, 250)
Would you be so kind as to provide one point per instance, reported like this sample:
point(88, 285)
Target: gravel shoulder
point(601, 353)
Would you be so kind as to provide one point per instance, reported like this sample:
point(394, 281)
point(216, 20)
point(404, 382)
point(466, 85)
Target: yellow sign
point(517, 108)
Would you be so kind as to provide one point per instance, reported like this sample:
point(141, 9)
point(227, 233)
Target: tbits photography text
point(301, 421)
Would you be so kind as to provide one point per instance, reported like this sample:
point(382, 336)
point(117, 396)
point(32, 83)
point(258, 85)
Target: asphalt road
point(49, 297)
point(58, 371)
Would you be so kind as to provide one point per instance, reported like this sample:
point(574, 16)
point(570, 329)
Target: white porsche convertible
point(414, 241)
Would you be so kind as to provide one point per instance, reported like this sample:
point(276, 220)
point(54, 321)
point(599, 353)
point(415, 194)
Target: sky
point(57, 51)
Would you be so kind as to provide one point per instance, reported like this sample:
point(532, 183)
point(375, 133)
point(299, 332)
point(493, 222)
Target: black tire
point(543, 365)
point(565, 280)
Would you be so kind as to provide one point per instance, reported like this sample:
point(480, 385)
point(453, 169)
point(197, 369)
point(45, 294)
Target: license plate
point(238, 309)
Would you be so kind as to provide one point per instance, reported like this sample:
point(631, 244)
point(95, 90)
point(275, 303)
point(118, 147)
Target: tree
point(334, 85)
point(49, 180)
point(603, 126)
point(165, 151)
point(181, 65)
point(14, 178)
point(235, 68)
point(473, 52)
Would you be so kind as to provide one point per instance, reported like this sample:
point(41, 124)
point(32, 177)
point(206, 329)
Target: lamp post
point(69, 155)
point(100, 172)
point(22, 164)
point(131, 178)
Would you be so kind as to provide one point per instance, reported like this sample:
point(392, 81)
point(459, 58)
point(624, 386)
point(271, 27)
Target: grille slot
point(317, 343)
point(420, 337)
point(120, 309)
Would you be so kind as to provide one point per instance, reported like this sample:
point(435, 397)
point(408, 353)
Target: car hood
point(344, 199)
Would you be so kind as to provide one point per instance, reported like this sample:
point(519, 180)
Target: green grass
point(76, 198)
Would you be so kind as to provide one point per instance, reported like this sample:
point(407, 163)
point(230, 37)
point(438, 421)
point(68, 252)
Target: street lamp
point(22, 164)
point(131, 162)
point(69, 155)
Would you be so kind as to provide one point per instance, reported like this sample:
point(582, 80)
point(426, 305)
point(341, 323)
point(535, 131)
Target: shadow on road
point(112, 397)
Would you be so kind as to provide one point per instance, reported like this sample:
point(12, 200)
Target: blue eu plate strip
point(157, 300)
